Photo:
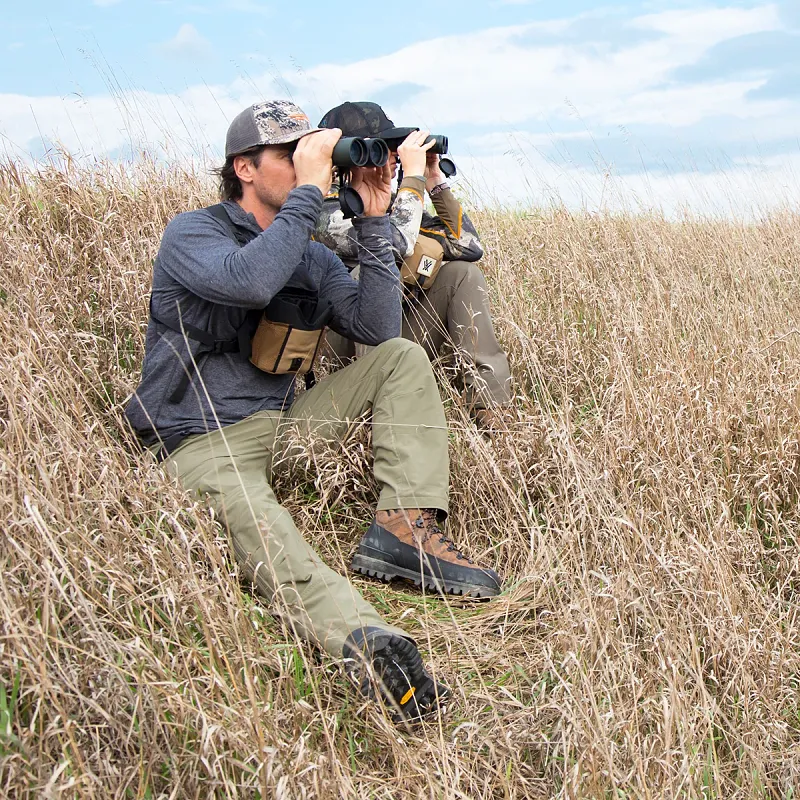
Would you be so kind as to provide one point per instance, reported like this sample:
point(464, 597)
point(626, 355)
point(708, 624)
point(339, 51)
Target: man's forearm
point(201, 256)
point(272, 257)
point(379, 308)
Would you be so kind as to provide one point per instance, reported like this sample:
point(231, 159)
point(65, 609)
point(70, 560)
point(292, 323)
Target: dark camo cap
point(270, 122)
point(363, 119)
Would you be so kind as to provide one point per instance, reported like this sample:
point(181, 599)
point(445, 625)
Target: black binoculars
point(446, 165)
point(440, 144)
point(440, 148)
point(353, 151)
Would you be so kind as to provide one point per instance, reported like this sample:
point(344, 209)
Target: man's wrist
point(438, 187)
point(372, 232)
point(311, 185)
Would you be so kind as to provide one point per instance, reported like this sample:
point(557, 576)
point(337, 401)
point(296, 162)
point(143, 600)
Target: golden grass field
point(643, 511)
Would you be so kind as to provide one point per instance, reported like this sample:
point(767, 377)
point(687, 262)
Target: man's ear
point(243, 167)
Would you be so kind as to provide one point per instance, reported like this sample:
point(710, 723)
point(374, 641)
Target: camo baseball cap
point(271, 122)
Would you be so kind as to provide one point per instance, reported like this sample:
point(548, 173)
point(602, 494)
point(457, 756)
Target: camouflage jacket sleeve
point(337, 233)
point(452, 228)
point(407, 212)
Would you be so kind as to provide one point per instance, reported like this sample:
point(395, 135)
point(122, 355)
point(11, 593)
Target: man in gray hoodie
point(221, 423)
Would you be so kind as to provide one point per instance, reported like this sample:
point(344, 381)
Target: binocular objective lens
point(378, 152)
point(351, 152)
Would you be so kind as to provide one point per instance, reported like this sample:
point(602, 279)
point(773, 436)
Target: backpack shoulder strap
point(234, 231)
point(241, 344)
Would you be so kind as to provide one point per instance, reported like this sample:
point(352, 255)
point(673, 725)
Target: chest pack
point(283, 338)
point(423, 265)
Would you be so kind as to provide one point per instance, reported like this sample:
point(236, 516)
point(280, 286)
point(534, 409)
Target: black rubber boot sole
point(389, 666)
point(386, 571)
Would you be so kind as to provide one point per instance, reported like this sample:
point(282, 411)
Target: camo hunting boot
point(410, 544)
point(388, 667)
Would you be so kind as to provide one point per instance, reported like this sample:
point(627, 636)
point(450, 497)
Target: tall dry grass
point(643, 511)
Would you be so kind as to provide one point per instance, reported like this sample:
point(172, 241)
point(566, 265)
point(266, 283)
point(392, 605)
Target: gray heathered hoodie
point(202, 277)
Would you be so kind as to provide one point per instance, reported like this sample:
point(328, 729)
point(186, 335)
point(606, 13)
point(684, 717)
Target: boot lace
point(428, 522)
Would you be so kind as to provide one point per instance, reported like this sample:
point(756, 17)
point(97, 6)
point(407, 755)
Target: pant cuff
point(387, 502)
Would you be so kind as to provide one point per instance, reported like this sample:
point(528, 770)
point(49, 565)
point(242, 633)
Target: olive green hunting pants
point(233, 466)
point(454, 311)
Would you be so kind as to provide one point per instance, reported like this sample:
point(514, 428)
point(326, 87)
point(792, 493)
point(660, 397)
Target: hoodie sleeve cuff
point(414, 183)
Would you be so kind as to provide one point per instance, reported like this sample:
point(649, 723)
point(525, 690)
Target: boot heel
point(372, 568)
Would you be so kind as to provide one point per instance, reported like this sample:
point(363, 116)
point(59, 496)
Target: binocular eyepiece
point(353, 151)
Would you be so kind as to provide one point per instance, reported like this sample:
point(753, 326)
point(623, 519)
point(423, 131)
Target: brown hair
point(230, 187)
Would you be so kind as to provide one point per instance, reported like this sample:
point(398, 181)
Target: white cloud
point(501, 80)
point(191, 124)
point(722, 23)
point(525, 177)
point(686, 105)
point(516, 140)
point(187, 44)
point(104, 3)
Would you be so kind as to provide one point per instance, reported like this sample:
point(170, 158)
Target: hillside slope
point(643, 510)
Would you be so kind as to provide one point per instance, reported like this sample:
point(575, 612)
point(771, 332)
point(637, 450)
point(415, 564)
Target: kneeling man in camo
point(239, 299)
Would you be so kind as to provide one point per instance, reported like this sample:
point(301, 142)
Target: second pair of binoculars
point(353, 151)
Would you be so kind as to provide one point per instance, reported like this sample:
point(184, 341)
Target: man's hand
point(433, 174)
point(374, 184)
point(312, 159)
point(413, 153)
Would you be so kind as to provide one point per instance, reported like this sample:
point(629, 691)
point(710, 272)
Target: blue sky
point(671, 104)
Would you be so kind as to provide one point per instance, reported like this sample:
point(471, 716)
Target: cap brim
point(296, 135)
point(287, 138)
point(396, 133)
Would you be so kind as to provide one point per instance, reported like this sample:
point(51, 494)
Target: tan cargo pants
point(233, 467)
point(454, 311)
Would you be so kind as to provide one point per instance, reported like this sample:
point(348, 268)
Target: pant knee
point(471, 275)
point(454, 273)
point(401, 350)
point(404, 361)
